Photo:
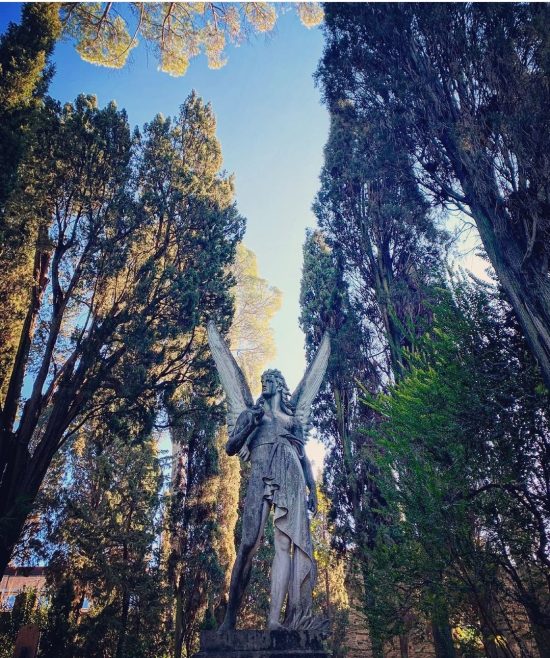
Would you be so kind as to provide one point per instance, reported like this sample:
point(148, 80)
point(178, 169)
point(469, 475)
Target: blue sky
point(272, 128)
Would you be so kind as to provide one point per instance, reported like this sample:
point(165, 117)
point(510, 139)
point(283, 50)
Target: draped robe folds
point(277, 477)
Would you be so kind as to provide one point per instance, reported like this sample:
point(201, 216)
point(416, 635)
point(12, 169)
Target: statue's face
point(269, 385)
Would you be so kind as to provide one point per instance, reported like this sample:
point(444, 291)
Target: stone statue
point(271, 434)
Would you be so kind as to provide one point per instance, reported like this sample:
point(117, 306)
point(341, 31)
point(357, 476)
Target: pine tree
point(177, 32)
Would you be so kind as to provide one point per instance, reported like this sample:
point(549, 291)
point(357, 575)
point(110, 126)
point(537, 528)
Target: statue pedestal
point(262, 644)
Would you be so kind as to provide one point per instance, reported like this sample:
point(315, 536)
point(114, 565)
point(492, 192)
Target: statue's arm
point(247, 422)
point(310, 482)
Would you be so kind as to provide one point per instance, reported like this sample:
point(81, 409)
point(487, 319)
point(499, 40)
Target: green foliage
point(26, 610)
point(348, 480)
point(255, 606)
point(325, 303)
point(193, 524)
point(100, 525)
point(461, 456)
point(24, 75)
point(142, 231)
point(373, 216)
point(426, 106)
point(466, 89)
point(330, 597)
point(58, 634)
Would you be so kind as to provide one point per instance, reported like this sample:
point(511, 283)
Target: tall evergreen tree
point(101, 527)
point(195, 568)
point(466, 436)
point(389, 252)
point(373, 216)
point(25, 50)
point(142, 232)
point(467, 85)
point(348, 477)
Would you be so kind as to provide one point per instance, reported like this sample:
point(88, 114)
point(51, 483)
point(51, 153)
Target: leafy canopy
point(176, 31)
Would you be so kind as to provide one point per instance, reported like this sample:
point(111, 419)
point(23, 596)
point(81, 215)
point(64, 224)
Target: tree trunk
point(528, 294)
point(121, 644)
point(327, 592)
point(40, 280)
point(13, 522)
point(404, 645)
point(22, 476)
point(484, 603)
point(16, 498)
point(178, 630)
point(490, 646)
point(443, 640)
point(376, 641)
point(14, 512)
point(526, 282)
point(542, 640)
point(541, 632)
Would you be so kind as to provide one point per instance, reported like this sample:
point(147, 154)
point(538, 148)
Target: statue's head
point(273, 382)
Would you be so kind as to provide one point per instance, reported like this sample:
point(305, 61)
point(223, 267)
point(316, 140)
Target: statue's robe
point(277, 476)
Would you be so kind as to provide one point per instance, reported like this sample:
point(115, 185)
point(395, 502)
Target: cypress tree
point(467, 87)
point(143, 229)
point(25, 72)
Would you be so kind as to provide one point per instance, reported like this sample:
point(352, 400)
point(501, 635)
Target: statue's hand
point(258, 414)
point(244, 453)
point(247, 422)
point(312, 501)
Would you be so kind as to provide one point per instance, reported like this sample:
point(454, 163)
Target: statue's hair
point(282, 388)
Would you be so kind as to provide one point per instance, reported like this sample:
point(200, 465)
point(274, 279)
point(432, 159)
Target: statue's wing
point(232, 379)
point(308, 388)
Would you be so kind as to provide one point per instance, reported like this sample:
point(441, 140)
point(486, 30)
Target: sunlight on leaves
point(311, 13)
point(106, 33)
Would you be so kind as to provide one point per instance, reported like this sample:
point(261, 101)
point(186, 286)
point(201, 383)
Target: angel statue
point(272, 434)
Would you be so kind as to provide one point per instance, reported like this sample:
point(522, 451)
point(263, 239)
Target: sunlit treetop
point(106, 32)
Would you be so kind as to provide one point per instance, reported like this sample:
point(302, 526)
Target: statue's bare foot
point(226, 626)
point(275, 626)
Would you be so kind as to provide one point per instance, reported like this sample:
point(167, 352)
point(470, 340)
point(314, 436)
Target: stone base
point(262, 644)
